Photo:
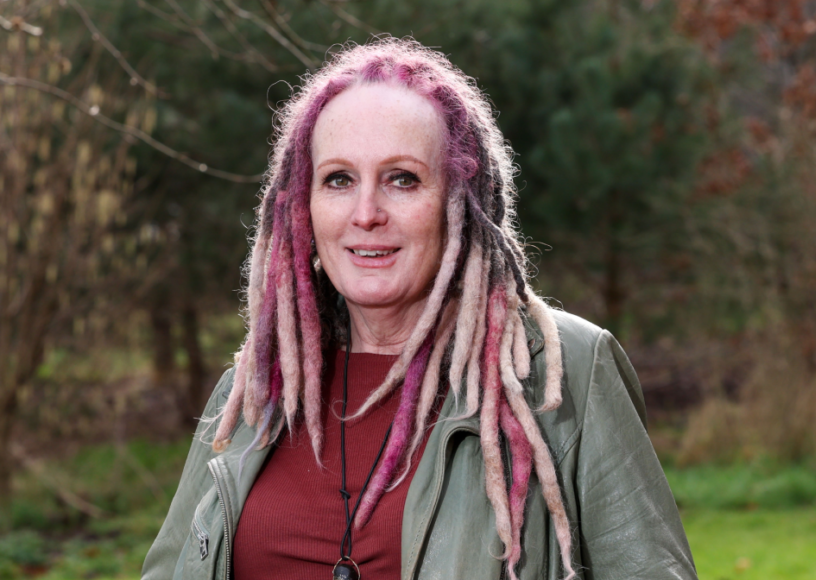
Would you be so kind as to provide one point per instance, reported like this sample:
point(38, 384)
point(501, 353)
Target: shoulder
point(584, 346)
point(218, 398)
point(223, 387)
point(593, 362)
point(580, 340)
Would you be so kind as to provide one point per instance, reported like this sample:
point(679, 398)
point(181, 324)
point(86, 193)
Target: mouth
point(373, 253)
point(373, 256)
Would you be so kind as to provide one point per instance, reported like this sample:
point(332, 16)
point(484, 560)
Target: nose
point(368, 211)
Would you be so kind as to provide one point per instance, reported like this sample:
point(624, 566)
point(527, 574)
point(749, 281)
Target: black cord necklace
point(346, 568)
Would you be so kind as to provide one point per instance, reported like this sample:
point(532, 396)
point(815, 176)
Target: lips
point(373, 256)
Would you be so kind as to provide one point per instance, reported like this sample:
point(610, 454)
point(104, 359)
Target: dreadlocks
point(470, 328)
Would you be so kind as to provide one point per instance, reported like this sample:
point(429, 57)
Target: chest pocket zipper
point(201, 535)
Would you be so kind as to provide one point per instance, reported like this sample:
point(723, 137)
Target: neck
point(382, 330)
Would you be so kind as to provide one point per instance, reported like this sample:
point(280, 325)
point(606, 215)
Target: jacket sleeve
point(629, 523)
point(161, 560)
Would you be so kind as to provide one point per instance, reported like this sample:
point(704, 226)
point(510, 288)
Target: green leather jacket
point(625, 519)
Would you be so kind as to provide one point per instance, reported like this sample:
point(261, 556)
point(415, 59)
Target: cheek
point(322, 228)
point(431, 229)
point(437, 223)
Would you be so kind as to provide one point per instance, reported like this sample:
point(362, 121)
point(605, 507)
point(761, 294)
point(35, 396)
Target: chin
point(371, 301)
point(372, 295)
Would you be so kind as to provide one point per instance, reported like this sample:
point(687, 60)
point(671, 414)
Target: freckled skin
point(379, 147)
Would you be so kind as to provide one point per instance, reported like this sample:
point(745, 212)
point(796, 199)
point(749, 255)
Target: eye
point(337, 180)
point(405, 180)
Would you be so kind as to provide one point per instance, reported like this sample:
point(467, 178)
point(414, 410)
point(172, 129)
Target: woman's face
point(378, 194)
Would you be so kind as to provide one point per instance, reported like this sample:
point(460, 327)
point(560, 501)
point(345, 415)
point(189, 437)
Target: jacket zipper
point(219, 488)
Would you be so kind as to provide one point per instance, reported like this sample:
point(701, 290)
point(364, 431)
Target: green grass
point(753, 545)
point(82, 556)
point(743, 487)
point(746, 522)
point(53, 541)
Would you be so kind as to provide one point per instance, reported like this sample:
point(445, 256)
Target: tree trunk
point(163, 355)
point(613, 293)
point(8, 407)
point(15, 188)
point(196, 370)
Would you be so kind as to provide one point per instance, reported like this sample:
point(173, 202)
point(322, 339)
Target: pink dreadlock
point(471, 324)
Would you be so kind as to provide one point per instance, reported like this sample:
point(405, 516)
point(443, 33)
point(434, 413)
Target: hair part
point(471, 320)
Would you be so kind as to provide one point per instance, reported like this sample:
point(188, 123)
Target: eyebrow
point(394, 159)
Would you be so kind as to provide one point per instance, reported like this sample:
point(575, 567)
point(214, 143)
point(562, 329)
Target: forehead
point(378, 120)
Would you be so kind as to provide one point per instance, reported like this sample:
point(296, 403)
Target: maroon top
point(294, 519)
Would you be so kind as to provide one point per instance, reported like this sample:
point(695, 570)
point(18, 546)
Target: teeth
point(373, 253)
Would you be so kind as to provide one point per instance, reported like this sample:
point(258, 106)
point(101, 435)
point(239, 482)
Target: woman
point(487, 435)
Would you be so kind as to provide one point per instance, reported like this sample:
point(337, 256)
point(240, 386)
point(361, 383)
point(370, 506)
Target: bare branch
point(32, 7)
point(17, 23)
point(184, 22)
point(271, 31)
point(93, 111)
point(281, 21)
point(135, 77)
point(251, 50)
point(350, 18)
point(172, 18)
point(195, 28)
point(175, 21)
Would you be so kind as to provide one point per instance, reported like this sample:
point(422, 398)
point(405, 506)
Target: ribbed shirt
point(294, 519)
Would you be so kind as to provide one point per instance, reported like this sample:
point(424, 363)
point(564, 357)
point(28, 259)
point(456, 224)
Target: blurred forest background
point(667, 186)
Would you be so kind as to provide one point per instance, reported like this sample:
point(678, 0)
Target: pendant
point(346, 569)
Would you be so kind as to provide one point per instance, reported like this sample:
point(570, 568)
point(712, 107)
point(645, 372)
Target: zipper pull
point(203, 545)
point(203, 539)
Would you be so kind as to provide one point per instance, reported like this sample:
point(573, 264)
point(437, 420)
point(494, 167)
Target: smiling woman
point(404, 405)
point(377, 206)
